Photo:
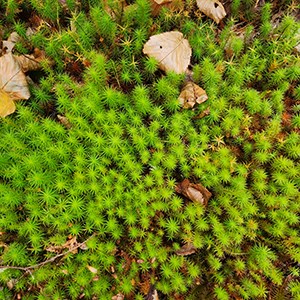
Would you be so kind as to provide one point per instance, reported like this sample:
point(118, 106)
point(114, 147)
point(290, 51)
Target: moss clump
point(110, 172)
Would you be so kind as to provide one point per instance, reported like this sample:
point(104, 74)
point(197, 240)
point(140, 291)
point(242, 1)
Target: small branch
point(27, 269)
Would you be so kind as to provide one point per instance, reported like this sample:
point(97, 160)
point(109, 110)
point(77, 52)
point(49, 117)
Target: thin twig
point(27, 269)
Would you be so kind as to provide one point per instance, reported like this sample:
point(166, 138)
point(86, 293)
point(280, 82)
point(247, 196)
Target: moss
point(110, 171)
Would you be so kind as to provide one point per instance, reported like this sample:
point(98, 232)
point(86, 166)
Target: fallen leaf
point(92, 269)
point(213, 9)
point(192, 94)
point(12, 79)
point(195, 192)
point(7, 105)
point(171, 50)
point(9, 44)
point(31, 62)
point(186, 249)
point(173, 5)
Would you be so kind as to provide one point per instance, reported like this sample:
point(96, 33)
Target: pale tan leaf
point(119, 296)
point(14, 37)
point(64, 121)
point(11, 283)
point(92, 269)
point(171, 50)
point(7, 105)
point(192, 94)
point(31, 62)
point(9, 44)
point(12, 79)
point(160, 2)
point(213, 9)
point(195, 195)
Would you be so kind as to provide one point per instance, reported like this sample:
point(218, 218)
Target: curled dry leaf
point(213, 9)
point(192, 94)
point(186, 249)
point(171, 50)
point(195, 192)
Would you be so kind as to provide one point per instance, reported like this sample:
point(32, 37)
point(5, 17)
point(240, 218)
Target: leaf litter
point(13, 82)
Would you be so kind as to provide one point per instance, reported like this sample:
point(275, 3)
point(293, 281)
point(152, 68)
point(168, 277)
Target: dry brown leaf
point(213, 9)
point(186, 249)
point(7, 105)
point(92, 269)
point(192, 94)
point(31, 62)
point(171, 50)
point(195, 192)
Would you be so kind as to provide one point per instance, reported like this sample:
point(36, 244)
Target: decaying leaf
point(213, 9)
point(171, 50)
point(119, 296)
point(7, 105)
point(195, 192)
point(192, 94)
point(186, 249)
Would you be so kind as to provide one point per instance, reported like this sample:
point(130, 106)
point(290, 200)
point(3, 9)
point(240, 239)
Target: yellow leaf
point(7, 105)
point(171, 50)
point(213, 9)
